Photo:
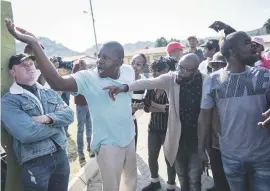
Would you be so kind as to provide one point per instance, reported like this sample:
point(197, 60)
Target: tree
point(267, 26)
point(161, 42)
point(174, 40)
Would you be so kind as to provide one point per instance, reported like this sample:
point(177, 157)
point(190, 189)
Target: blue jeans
point(83, 118)
point(242, 174)
point(189, 169)
point(49, 172)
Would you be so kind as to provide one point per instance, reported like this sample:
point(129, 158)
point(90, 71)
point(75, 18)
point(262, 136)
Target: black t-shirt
point(189, 100)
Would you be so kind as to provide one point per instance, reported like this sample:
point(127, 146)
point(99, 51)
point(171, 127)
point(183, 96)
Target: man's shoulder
point(6, 97)
point(127, 74)
point(12, 99)
point(259, 69)
point(126, 67)
point(85, 74)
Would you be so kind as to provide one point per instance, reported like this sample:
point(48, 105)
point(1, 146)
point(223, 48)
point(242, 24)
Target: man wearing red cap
point(175, 50)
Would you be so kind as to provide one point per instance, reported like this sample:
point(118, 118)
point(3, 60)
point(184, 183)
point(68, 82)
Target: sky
point(129, 21)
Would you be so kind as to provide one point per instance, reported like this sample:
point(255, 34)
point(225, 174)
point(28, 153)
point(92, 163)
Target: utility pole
point(8, 48)
point(94, 28)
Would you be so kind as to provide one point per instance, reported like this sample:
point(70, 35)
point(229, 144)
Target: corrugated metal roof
point(72, 58)
point(148, 51)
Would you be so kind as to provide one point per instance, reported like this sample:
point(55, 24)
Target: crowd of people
point(206, 106)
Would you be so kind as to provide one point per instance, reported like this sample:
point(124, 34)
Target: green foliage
point(267, 26)
point(162, 41)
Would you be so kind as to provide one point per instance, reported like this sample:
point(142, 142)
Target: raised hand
point(266, 122)
point(218, 26)
point(114, 90)
point(19, 33)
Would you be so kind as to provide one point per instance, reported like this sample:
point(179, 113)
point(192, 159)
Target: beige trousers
point(118, 167)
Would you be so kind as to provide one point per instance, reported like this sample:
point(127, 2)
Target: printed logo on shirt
point(240, 85)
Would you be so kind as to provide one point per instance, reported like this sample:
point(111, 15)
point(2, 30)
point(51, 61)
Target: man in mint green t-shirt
point(113, 127)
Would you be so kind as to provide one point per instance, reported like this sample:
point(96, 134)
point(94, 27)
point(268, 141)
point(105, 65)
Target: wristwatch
point(126, 88)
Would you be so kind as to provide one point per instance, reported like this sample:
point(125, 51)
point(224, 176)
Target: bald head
point(231, 41)
point(191, 60)
point(116, 47)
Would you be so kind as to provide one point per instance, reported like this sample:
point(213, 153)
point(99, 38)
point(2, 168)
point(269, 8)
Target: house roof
point(148, 51)
point(73, 58)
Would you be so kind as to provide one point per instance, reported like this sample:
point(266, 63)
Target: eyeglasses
point(184, 69)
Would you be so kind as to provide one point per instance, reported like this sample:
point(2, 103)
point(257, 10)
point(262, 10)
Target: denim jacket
point(32, 139)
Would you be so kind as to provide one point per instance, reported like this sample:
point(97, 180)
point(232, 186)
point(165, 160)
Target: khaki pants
point(118, 167)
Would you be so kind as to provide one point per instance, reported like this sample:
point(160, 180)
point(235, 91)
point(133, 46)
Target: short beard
point(181, 80)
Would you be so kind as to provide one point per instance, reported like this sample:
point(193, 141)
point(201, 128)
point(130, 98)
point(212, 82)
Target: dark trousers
point(189, 169)
point(221, 183)
point(155, 141)
point(46, 173)
point(136, 131)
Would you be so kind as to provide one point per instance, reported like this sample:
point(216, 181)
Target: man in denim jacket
point(35, 117)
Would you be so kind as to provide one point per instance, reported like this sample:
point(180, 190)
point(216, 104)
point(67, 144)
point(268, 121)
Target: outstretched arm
point(46, 67)
point(161, 82)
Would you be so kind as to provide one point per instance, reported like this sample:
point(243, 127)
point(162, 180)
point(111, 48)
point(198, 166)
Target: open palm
point(19, 33)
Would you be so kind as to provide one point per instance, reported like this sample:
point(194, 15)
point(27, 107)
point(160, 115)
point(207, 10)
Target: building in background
point(150, 53)
point(90, 61)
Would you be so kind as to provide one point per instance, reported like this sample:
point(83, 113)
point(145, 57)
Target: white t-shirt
point(112, 121)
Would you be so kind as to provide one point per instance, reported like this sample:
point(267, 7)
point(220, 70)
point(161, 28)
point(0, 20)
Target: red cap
point(174, 45)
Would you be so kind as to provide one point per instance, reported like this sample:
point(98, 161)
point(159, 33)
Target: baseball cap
point(258, 40)
point(174, 45)
point(190, 37)
point(18, 59)
point(211, 43)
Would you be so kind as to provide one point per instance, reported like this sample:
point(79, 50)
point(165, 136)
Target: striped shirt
point(137, 96)
point(159, 120)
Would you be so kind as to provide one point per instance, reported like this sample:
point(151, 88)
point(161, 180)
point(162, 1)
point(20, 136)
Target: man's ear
point(11, 73)
point(232, 52)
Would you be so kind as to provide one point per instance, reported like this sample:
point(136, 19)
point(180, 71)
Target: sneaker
point(153, 186)
point(81, 156)
point(92, 155)
point(170, 187)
